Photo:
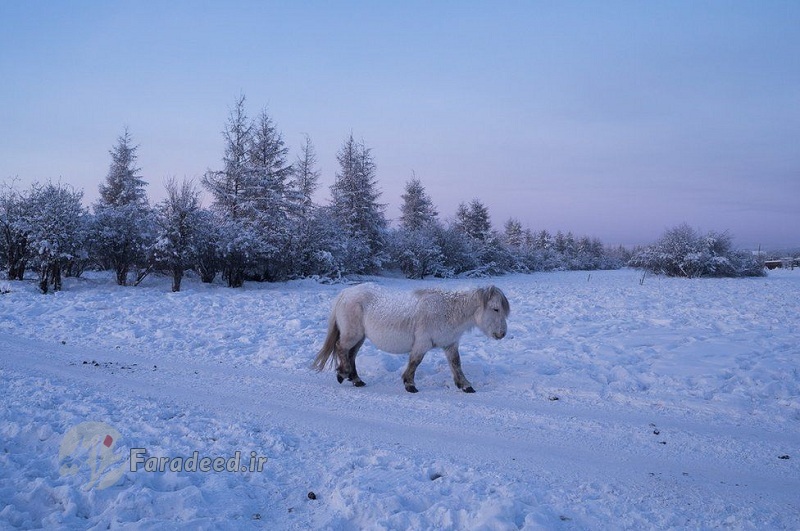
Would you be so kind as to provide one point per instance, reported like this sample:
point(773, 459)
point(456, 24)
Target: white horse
point(411, 323)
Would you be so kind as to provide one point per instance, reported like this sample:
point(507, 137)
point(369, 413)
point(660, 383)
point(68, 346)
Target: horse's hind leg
point(343, 362)
point(358, 382)
point(455, 366)
point(346, 350)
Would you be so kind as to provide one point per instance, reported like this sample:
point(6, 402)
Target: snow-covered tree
point(240, 241)
point(417, 252)
point(208, 260)
point(56, 231)
point(306, 235)
point(517, 244)
point(560, 242)
point(228, 186)
point(14, 210)
point(306, 176)
point(272, 196)
point(473, 220)
point(458, 254)
point(326, 249)
point(683, 252)
point(356, 209)
point(417, 210)
point(254, 199)
point(178, 239)
point(543, 240)
point(268, 185)
point(123, 223)
point(491, 256)
point(414, 246)
point(513, 234)
point(124, 184)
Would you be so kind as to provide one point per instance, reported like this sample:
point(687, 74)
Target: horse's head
point(493, 313)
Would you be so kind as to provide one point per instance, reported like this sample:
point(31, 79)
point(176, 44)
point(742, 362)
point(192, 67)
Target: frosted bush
point(683, 252)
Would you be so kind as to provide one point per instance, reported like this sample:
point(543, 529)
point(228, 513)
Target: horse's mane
point(491, 291)
point(485, 295)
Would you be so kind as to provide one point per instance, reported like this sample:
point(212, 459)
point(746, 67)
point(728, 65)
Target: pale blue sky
point(611, 119)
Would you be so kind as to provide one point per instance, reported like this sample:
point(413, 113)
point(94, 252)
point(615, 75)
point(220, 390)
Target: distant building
point(782, 263)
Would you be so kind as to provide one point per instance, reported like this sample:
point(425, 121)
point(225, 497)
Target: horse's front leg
point(414, 359)
point(455, 366)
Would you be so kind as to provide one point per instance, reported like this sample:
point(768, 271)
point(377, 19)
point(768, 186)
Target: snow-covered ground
point(612, 403)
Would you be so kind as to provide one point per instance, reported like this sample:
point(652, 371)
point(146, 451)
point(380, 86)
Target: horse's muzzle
point(499, 335)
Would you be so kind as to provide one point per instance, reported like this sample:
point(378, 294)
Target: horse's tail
point(329, 346)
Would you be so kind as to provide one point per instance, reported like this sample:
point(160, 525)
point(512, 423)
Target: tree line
point(263, 224)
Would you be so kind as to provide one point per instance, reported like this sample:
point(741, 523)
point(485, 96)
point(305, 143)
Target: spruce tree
point(307, 241)
point(179, 238)
point(356, 209)
point(417, 209)
point(228, 185)
point(473, 220)
point(253, 198)
point(123, 228)
point(239, 240)
point(513, 233)
point(272, 197)
point(415, 247)
point(124, 185)
point(306, 177)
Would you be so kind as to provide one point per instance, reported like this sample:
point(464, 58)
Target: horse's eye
point(497, 309)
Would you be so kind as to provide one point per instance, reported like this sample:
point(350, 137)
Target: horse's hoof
point(468, 389)
point(411, 389)
point(339, 378)
point(359, 383)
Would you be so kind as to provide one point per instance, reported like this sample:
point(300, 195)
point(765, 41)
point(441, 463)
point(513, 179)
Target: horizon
point(616, 121)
